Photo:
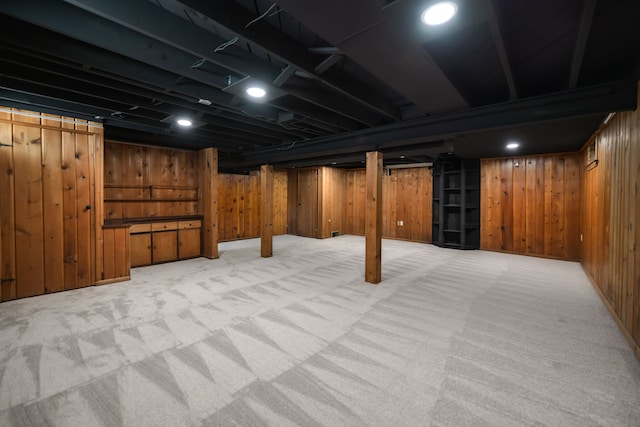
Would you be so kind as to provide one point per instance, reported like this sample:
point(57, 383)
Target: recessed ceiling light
point(256, 92)
point(439, 13)
point(512, 145)
point(184, 122)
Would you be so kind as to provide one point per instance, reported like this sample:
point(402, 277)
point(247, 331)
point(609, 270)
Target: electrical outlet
point(400, 223)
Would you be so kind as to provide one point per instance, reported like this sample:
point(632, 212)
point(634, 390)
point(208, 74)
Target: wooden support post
point(209, 201)
point(373, 218)
point(266, 211)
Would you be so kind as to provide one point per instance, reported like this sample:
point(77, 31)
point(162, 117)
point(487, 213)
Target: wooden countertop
point(127, 222)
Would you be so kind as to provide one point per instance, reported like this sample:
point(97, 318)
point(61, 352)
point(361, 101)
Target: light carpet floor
point(449, 338)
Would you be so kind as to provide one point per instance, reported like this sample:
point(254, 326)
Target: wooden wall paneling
point(403, 203)
point(506, 204)
point(83, 207)
point(558, 214)
point(571, 208)
point(529, 166)
point(610, 219)
point(266, 210)
point(280, 202)
point(490, 209)
point(53, 207)
point(209, 182)
point(292, 202)
point(420, 204)
point(331, 201)
point(540, 206)
point(635, 142)
point(307, 206)
point(97, 178)
point(519, 192)
point(548, 205)
point(8, 275)
point(69, 208)
point(373, 218)
point(351, 203)
point(359, 201)
point(28, 206)
point(325, 196)
point(389, 206)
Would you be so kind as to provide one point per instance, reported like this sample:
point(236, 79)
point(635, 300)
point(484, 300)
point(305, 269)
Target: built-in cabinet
point(164, 241)
point(456, 203)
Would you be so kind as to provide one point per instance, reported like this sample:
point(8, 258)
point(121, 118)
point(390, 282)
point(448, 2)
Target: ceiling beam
point(49, 43)
point(498, 39)
point(373, 40)
point(586, 19)
point(328, 63)
point(575, 103)
point(234, 17)
point(57, 76)
point(143, 17)
point(287, 72)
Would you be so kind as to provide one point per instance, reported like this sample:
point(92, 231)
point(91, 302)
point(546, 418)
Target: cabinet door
point(140, 249)
point(165, 246)
point(189, 243)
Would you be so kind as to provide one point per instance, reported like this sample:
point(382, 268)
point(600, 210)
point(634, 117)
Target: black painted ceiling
point(342, 77)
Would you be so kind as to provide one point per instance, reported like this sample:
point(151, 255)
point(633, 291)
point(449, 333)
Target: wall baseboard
point(635, 348)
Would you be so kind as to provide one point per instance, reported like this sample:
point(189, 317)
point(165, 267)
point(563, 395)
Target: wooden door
point(188, 243)
point(140, 249)
point(48, 224)
point(165, 246)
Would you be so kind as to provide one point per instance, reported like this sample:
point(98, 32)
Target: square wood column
point(209, 201)
point(266, 211)
point(373, 218)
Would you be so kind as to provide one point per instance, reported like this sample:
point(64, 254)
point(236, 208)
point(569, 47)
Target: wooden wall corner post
point(266, 211)
point(209, 201)
point(373, 218)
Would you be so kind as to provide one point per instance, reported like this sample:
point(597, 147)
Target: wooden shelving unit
point(456, 203)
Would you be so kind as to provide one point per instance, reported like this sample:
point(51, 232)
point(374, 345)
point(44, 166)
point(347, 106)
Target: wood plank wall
point(302, 202)
point(331, 201)
point(532, 208)
point(239, 205)
point(406, 197)
point(610, 220)
point(142, 181)
point(48, 213)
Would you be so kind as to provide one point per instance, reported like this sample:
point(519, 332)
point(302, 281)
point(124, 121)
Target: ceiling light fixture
point(184, 122)
point(256, 92)
point(512, 145)
point(439, 13)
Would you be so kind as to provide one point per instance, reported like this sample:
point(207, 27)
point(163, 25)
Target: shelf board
point(148, 200)
point(452, 206)
point(451, 231)
point(452, 189)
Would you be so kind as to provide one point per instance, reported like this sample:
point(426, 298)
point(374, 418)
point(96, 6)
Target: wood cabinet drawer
point(189, 224)
point(164, 226)
point(140, 228)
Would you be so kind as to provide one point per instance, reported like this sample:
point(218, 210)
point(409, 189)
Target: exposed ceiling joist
point(405, 64)
point(232, 16)
point(496, 32)
point(586, 19)
point(575, 103)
